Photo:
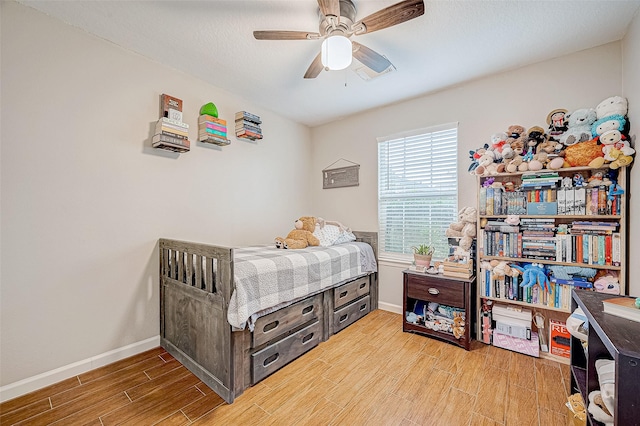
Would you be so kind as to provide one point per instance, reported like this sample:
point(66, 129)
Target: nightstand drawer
point(447, 292)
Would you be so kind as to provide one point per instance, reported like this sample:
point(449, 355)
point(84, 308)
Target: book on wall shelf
point(212, 130)
point(171, 133)
point(248, 126)
point(624, 307)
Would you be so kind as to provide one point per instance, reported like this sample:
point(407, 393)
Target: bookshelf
point(580, 229)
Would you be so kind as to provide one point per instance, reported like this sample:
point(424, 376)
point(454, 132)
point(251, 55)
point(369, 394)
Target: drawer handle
point(343, 294)
point(307, 310)
point(344, 317)
point(363, 285)
point(433, 291)
point(363, 307)
point(270, 326)
point(271, 359)
point(306, 338)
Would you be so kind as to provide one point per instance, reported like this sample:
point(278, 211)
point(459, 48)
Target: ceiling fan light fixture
point(336, 52)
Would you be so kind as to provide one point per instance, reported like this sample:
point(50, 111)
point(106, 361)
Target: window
point(417, 190)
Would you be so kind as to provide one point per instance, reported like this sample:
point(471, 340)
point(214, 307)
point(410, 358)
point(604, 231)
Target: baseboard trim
point(390, 307)
point(42, 380)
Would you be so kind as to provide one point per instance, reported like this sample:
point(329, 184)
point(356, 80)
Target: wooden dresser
point(422, 288)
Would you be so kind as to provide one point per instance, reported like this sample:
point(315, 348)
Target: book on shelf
point(244, 115)
point(207, 131)
point(216, 140)
point(248, 134)
point(172, 134)
point(624, 307)
point(214, 126)
point(172, 122)
point(170, 107)
point(172, 146)
point(211, 119)
point(170, 139)
point(559, 339)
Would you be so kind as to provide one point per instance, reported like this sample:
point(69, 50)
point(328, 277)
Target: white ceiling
point(453, 42)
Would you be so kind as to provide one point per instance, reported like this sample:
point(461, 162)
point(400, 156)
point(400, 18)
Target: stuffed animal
point(607, 282)
point(539, 161)
point(516, 164)
point(475, 155)
point(458, 324)
point(610, 122)
point(615, 105)
point(487, 165)
point(579, 130)
point(465, 228)
point(498, 140)
point(508, 153)
point(581, 154)
point(301, 237)
point(514, 133)
point(557, 121)
point(512, 219)
point(598, 409)
point(533, 274)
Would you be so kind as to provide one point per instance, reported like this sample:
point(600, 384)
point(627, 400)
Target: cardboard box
point(559, 339)
point(543, 208)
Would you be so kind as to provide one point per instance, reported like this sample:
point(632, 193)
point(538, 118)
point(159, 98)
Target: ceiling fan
point(338, 18)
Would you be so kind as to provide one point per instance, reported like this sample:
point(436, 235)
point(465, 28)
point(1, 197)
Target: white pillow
point(331, 235)
point(345, 237)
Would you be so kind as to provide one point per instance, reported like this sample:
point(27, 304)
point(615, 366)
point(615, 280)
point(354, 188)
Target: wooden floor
point(370, 373)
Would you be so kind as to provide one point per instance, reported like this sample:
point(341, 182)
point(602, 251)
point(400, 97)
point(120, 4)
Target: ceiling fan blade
point(390, 16)
point(285, 35)
point(370, 58)
point(315, 67)
point(329, 7)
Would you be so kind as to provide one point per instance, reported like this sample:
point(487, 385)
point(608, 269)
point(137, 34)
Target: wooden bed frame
point(194, 298)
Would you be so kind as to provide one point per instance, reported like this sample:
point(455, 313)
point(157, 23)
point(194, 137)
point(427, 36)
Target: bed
point(233, 316)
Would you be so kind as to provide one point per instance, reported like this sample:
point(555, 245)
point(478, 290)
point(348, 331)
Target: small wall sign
point(339, 177)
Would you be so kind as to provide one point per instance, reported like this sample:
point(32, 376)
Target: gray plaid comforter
point(267, 278)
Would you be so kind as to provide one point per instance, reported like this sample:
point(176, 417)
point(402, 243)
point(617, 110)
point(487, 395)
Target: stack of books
point(248, 126)
point(171, 133)
point(212, 130)
point(538, 238)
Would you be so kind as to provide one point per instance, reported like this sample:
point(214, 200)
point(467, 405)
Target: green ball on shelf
point(209, 109)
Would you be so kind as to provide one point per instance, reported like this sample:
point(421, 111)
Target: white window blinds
point(417, 190)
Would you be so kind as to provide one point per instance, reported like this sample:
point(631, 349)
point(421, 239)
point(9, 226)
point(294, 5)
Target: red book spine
point(607, 249)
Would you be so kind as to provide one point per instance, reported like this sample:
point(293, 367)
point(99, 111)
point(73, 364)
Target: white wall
point(631, 90)
point(523, 96)
point(85, 197)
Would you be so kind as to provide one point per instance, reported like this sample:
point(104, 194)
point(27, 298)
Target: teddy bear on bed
point(301, 237)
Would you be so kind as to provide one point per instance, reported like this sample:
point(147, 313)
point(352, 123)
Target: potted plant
point(422, 254)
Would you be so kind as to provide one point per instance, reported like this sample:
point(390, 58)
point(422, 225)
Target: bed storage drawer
point(350, 291)
point(282, 321)
point(278, 354)
point(349, 314)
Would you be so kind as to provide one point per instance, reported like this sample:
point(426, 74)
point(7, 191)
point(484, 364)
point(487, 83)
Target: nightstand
point(421, 288)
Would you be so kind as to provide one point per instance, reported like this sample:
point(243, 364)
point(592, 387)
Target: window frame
point(433, 136)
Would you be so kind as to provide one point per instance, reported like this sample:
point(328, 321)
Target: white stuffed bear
point(579, 130)
point(615, 105)
point(465, 227)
